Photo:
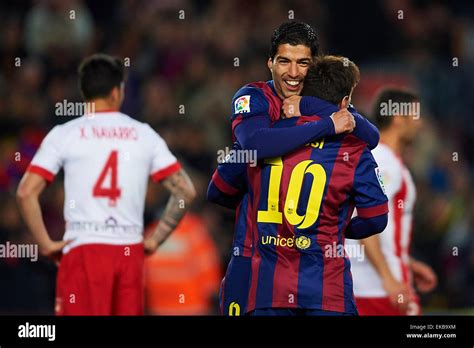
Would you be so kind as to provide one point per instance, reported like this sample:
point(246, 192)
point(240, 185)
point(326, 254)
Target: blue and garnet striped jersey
point(256, 99)
point(228, 186)
point(291, 263)
point(299, 206)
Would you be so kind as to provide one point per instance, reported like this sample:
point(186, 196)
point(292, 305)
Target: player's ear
point(345, 102)
point(115, 94)
point(270, 64)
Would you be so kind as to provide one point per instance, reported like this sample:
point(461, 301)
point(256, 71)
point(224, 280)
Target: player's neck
point(101, 105)
point(392, 140)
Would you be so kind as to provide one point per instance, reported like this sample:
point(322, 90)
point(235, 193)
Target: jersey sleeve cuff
point(367, 213)
point(165, 172)
point(222, 185)
point(330, 125)
point(44, 173)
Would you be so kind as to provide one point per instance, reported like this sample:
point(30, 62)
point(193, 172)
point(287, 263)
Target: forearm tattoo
point(182, 193)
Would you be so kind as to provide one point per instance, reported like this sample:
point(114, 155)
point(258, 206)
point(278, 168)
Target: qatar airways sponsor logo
point(102, 132)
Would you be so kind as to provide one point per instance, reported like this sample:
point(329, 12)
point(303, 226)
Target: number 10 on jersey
point(273, 214)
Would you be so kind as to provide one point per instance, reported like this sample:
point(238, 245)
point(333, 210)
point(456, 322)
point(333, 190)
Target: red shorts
point(99, 279)
point(382, 306)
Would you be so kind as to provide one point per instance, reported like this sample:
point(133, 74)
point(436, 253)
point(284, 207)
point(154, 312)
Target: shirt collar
point(324, 108)
point(272, 86)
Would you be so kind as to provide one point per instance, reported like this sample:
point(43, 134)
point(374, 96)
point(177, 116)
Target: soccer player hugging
point(304, 259)
point(293, 210)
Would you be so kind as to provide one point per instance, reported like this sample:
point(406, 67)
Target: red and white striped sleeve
point(48, 160)
point(164, 163)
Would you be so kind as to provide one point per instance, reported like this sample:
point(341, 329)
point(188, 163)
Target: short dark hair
point(331, 78)
point(99, 74)
point(386, 95)
point(294, 33)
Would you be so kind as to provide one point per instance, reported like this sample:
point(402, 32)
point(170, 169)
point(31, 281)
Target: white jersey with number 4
point(107, 159)
point(396, 238)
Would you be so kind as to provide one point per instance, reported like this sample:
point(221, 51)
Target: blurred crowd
point(185, 60)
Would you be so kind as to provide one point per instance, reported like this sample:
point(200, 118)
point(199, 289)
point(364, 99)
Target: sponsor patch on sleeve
point(380, 179)
point(242, 104)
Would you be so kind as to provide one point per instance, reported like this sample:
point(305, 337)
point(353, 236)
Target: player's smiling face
point(289, 68)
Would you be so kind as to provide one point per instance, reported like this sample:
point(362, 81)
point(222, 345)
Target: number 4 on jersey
point(110, 169)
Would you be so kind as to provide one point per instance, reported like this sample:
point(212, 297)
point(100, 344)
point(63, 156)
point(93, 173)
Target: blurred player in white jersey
point(383, 280)
point(107, 158)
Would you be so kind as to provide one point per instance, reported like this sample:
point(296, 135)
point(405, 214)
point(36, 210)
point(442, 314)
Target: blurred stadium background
point(198, 62)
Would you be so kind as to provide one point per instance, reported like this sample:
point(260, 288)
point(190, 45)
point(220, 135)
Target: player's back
point(303, 203)
point(107, 159)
